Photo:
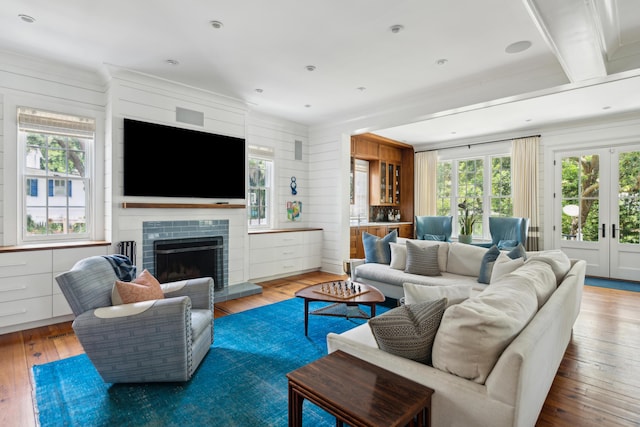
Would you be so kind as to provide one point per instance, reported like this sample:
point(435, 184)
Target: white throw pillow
point(465, 259)
point(504, 265)
point(414, 293)
point(398, 256)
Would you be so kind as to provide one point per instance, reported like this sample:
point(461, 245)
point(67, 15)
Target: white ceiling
point(584, 59)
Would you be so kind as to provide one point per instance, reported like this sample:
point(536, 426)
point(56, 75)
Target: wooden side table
point(358, 393)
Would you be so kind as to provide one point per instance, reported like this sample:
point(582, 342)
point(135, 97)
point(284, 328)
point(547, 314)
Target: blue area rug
point(241, 382)
point(612, 284)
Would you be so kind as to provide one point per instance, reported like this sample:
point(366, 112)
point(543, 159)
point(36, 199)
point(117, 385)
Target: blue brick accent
point(154, 230)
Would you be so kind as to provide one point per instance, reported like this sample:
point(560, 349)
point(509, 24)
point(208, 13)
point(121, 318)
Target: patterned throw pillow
point(144, 288)
point(409, 330)
point(422, 260)
point(377, 249)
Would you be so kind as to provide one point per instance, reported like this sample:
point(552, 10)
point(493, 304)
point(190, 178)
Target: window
point(259, 200)
point(486, 188)
point(360, 207)
point(55, 176)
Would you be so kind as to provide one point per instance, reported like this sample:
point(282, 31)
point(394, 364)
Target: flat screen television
point(167, 161)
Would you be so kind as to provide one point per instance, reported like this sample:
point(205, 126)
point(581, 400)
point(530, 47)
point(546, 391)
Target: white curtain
point(426, 168)
point(524, 172)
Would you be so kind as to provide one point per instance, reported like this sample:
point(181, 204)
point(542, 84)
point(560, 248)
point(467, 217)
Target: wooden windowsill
point(54, 245)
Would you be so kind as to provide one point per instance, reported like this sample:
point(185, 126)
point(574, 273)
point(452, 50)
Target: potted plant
point(468, 217)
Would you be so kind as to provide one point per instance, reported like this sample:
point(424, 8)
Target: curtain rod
point(477, 143)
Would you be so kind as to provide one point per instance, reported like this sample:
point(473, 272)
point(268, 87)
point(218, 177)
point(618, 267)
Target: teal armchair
point(507, 232)
point(433, 228)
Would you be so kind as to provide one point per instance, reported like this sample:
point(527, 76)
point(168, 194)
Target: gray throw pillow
point(422, 260)
point(518, 252)
point(409, 330)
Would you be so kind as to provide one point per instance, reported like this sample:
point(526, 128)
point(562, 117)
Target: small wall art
point(294, 210)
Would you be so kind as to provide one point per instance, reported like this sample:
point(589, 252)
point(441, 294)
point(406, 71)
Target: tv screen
point(166, 161)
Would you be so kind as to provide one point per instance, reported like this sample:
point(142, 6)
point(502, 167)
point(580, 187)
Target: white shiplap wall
point(143, 98)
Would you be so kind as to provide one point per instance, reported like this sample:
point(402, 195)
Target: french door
point(597, 209)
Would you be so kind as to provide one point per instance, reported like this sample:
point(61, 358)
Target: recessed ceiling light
point(442, 61)
point(172, 62)
point(395, 29)
point(259, 90)
point(27, 18)
point(518, 46)
point(307, 106)
point(216, 24)
point(527, 120)
point(310, 67)
point(361, 88)
point(606, 107)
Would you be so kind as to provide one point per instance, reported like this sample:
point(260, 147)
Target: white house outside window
point(55, 178)
point(259, 200)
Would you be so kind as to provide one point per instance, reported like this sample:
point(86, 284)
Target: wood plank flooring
point(597, 384)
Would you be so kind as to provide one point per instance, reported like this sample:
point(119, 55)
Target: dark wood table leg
point(295, 407)
point(373, 310)
point(306, 316)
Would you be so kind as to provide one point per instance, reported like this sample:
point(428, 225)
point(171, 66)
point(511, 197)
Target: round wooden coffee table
point(345, 295)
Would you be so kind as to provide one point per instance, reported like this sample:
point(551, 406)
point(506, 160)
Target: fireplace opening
point(189, 258)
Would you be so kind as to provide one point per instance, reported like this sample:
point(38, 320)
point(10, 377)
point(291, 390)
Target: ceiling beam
point(571, 30)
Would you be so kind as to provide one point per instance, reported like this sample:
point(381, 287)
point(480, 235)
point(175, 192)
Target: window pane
point(55, 149)
point(580, 189)
point(443, 186)
point(629, 197)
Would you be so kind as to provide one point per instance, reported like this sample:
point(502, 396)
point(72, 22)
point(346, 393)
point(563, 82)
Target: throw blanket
point(123, 267)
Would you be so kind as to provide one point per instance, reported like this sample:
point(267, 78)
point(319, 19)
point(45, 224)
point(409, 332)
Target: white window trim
point(269, 156)
point(12, 221)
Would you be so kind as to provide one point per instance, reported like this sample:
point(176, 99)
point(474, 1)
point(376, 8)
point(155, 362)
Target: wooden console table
point(358, 393)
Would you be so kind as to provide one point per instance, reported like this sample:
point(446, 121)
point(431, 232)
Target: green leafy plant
point(469, 215)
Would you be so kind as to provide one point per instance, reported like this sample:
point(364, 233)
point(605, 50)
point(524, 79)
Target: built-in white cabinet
point(29, 294)
point(277, 254)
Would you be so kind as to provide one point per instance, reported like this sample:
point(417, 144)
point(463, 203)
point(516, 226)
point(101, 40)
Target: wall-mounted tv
point(167, 161)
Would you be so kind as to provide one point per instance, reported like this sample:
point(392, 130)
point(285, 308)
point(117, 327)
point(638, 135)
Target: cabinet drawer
point(271, 240)
point(24, 287)
point(60, 306)
point(25, 310)
point(25, 263)
point(64, 259)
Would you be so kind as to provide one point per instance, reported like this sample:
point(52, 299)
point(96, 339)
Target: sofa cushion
point(398, 256)
point(385, 274)
point(507, 244)
point(557, 260)
point(518, 252)
point(422, 259)
point(504, 265)
point(408, 330)
point(540, 276)
point(465, 259)
point(376, 249)
point(454, 294)
point(474, 333)
point(486, 266)
point(434, 237)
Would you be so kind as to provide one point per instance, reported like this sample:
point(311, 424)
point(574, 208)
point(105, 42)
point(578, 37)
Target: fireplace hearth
point(189, 258)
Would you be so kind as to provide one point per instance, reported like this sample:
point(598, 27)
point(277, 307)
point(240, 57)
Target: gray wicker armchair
point(161, 340)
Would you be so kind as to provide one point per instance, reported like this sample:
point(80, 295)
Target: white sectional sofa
point(496, 353)
point(459, 264)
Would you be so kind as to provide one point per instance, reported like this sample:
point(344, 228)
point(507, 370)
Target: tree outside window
point(54, 173)
point(464, 180)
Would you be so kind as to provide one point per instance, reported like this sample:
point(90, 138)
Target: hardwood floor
point(597, 384)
